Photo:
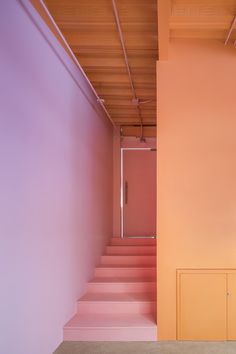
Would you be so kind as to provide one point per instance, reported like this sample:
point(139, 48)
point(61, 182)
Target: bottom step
point(111, 328)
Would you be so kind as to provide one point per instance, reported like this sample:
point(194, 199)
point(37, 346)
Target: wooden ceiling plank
point(130, 123)
point(163, 13)
point(129, 27)
point(199, 34)
point(135, 62)
point(124, 104)
point(208, 23)
point(118, 70)
point(114, 52)
point(135, 131)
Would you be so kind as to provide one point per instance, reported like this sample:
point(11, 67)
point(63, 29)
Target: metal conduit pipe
point(135, 100)
point(99, 100)
point(230, 30)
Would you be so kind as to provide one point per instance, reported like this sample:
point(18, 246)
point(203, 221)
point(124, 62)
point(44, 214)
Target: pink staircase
point(120, 302)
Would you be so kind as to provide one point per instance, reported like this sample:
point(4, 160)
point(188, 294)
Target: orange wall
point(196, 166)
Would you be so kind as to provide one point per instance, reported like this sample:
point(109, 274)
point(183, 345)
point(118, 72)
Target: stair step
point(121, 279)
point(120, 303)
point(114, 285)
point(128, 259)
point(128, 271)
point(130, 249)
point(116, 303)
point(111, 328)
point(133, 241)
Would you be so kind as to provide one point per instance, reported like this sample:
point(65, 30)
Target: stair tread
point(139, 238)
point(128, 266)
point(133, 240)
point(111, 320)
point(122, 280)
point(119, 297)
point(131, 246)
point(129, 255)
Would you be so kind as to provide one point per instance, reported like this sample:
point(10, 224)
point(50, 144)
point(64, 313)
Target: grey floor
point(147, 347)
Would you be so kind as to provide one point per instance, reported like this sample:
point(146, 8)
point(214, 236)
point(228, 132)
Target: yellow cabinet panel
point(231, 280)
point(202, 303)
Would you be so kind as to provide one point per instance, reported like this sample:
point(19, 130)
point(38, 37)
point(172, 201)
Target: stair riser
point(128, 250)
point(147, 287)
point(106, 307)
point(125, 272)
point(133, 241)
point(111, 334)
point(129, 260)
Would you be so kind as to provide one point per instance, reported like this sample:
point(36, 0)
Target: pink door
point(139, 192)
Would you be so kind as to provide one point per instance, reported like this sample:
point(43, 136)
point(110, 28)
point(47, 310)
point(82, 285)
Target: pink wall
point(56, 183)
point(196, 166)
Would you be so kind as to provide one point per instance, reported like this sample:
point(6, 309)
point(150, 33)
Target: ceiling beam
point(163, 18)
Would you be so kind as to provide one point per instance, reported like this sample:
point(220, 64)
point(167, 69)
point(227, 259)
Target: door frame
point(122, 191)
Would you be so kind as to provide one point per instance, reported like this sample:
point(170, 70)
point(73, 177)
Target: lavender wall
point(56, 183)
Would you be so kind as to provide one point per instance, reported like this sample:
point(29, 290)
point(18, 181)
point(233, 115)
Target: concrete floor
point(147, 348)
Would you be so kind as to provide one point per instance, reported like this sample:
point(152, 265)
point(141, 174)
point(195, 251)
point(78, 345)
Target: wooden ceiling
point(148, 25)
point(90, 29)
point(208, 19)
point(194, 19)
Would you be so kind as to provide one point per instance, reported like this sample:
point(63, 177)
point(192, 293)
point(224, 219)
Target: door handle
point(126, 192)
